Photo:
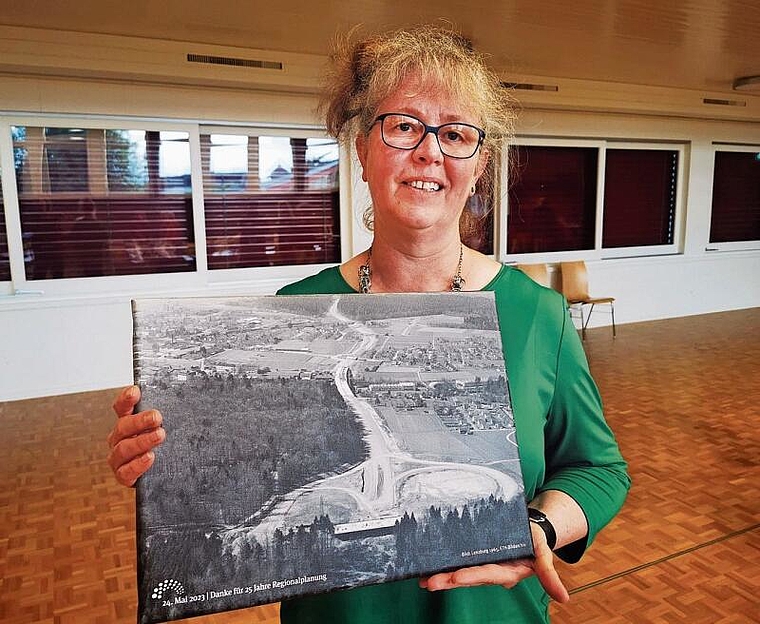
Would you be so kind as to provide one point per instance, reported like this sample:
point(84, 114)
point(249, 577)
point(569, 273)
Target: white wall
point(659, 288)
point(57, 343)
point(67, 346)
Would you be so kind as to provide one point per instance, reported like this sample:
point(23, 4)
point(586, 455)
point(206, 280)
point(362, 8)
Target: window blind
point(552, 203)
point(736, 197)
point(270, 201)
point(5, 264)
point(96, 202)
point(640, 188)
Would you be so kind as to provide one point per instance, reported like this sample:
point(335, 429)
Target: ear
point(483, 159)
point(361, 152)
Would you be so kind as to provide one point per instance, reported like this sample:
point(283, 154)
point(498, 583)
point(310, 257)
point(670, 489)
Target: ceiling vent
point(233, 62)
point(718, 102)
point(528, 86)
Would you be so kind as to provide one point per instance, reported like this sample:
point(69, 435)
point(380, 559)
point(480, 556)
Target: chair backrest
point(537, 272)
point(574, 280)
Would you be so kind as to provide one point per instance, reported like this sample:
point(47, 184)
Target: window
point(607, 199)
point(552, 203)
point(5, 264)
point(270, 200)
point(95, 202)
point(736, 197)
point(640, 187)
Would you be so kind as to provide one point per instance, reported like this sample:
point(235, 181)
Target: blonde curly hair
point(366, 72)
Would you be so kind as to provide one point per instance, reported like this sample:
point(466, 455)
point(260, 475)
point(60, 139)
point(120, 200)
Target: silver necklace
point(365, 274)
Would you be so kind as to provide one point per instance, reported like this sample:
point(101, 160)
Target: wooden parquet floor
point(682, 395)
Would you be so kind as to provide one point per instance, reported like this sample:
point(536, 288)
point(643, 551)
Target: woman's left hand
point(508, 573)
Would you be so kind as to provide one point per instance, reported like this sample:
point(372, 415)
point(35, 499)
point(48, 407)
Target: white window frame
point(108, 284)
point(202, 280)
point(554, 256)
point(286, 273)
point(676, 246)
point(752, 245)
point(599, 252)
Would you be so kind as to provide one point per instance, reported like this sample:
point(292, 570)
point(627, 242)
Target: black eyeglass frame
point(434, 130)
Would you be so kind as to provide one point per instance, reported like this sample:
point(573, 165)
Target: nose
point(429, 150)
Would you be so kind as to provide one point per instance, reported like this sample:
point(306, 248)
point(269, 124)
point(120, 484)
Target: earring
point(472, 191)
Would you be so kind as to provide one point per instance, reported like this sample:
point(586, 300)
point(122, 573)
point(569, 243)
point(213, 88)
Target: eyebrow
point(446, 119)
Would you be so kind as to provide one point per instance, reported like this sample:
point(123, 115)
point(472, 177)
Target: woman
point(426, 115)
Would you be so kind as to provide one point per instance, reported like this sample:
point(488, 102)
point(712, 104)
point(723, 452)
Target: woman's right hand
point(133, 437)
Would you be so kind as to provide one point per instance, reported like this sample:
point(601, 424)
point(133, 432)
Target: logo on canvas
point(166, 586)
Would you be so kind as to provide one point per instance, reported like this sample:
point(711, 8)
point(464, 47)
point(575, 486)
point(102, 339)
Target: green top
point(565, 444)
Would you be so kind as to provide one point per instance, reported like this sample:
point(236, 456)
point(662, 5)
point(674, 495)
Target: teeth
point(425, 186)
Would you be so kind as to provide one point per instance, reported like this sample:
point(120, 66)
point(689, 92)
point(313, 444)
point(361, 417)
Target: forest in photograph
point(457, 306)
point(278, 434)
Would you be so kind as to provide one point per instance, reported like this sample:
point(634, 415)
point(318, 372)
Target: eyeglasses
point(456, 140)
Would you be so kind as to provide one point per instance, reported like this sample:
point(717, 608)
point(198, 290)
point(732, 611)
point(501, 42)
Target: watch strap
point(539, 518)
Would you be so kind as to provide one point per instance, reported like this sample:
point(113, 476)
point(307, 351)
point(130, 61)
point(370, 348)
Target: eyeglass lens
point(455, 139)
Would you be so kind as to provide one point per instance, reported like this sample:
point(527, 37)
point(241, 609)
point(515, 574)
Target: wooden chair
point(575, 289)
point(537, 272)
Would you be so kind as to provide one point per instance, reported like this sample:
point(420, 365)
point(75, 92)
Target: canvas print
point(321, 442)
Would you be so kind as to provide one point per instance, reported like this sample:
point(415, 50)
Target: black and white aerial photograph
point(320, 442)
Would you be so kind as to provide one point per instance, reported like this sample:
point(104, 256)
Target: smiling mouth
point(424, 186)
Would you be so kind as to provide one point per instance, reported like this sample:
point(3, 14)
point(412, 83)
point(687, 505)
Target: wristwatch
point(539, 518)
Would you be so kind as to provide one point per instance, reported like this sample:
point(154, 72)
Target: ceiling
point(693, 44)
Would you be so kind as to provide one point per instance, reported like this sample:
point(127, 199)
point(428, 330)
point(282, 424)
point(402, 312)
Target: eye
point(404, 125)
point(453, 136)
